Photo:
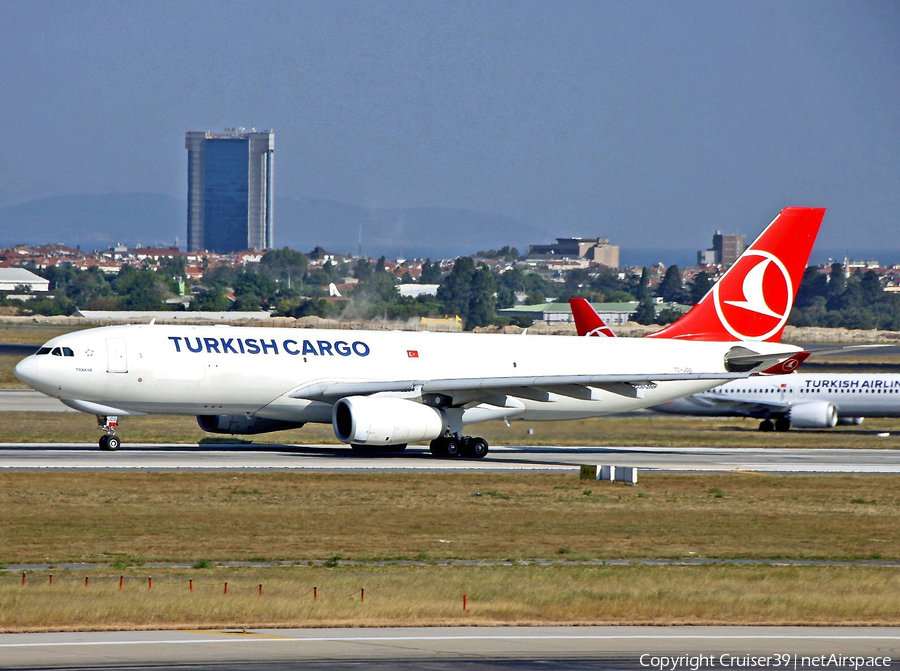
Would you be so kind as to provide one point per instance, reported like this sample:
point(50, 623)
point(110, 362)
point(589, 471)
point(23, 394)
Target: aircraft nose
point(28, 371)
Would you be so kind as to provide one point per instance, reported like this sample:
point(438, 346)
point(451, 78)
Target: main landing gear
point(780, 424)
point(459, 446)
point(109, 441)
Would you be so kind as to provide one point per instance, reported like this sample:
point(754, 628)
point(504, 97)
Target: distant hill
point(95, 221)
point(102, 220)
point(413, 232)
point(99, 221)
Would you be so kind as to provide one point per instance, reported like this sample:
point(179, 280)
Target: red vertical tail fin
point(587, 321)
point(753, 299)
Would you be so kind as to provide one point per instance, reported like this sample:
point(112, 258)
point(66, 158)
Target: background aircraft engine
point(372, 420)
point(850, 421)
point(815, 415)
point(243, 425)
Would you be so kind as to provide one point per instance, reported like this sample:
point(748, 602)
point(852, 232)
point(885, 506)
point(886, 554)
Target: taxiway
point(448, 647)
point(417, 457)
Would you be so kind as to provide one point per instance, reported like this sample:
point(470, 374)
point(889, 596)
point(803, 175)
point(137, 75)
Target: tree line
point(286, 283)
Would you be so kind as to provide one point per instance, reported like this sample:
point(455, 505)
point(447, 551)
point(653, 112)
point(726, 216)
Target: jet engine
point(373, 420)
point(242, 424)
point(850, 421)
point(815, 415)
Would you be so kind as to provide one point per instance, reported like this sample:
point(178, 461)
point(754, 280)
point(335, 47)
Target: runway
point(29, 400)
point(454, 647)
point(88, 456)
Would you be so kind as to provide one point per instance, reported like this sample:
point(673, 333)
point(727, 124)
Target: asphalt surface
point(29, 400)
point(15, 349)
point(340, 458)
point(454, 648)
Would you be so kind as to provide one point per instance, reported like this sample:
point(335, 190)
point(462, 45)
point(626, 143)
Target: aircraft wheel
point(766, 425)
point(436, 447)
point(478, 447)
point(452, 447)
point(110, 443)
point(782, 424)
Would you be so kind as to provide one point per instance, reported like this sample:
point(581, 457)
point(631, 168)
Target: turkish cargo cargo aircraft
point(804, 401)
point(387, 389)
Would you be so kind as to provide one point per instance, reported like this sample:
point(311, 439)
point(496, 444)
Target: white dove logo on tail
point(753, 292)
point(736, 321)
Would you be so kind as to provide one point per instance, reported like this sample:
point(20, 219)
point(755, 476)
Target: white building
point(12, 278)
point(416, 290)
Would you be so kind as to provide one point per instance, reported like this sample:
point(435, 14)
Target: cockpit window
point(67, 351)
point(56, 351)
point(42, 350)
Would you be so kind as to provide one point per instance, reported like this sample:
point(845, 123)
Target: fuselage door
point(116, 356)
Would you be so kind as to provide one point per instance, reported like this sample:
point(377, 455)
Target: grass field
point(36, 334)
point(432, 595)
point(130, 517)
point(124, 520)
point(7, 379)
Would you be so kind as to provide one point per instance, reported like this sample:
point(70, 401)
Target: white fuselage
point(206, 370)
point(852, 395)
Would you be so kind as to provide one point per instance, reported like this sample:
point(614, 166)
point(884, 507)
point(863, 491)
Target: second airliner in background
point(798, 400)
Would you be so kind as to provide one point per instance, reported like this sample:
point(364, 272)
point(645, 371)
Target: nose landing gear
point(109, 441)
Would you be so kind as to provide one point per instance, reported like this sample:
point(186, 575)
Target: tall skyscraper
point(229, 190)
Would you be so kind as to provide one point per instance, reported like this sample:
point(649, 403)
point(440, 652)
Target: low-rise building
point(13, 279)
point(594, 250)
point(614, 314)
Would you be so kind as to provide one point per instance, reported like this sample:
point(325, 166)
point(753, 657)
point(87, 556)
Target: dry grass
point(7, 379)
point(27, 334)
point(134, 517)
point(432, 595)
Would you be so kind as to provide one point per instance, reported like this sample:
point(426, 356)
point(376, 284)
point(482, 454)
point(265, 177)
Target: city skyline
point(639, 122)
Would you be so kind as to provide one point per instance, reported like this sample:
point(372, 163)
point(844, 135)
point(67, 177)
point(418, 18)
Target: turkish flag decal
point(412, 353)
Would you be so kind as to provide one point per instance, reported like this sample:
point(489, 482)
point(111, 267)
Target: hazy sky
point(650, 122)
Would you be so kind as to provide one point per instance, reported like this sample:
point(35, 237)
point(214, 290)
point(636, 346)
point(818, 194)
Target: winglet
point(789, 365)
point(752, 300)
point(587, 321)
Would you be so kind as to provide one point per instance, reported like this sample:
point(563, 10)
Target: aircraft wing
point(574, 386)
point(748, 406)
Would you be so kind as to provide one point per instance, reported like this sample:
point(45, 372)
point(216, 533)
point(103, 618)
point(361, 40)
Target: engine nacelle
point(815, 415)
point(850, 421)
point(373, 420)
point(242, 424)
